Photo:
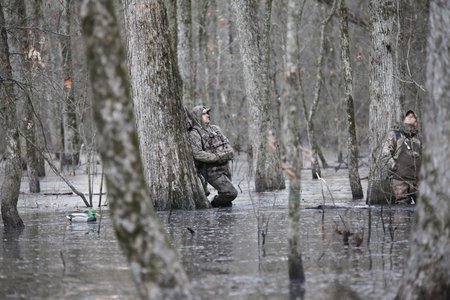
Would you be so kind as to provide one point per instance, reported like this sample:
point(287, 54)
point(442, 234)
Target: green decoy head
point(91, 212)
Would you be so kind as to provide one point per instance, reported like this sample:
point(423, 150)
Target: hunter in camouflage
point(402, 151)
point(212, 152)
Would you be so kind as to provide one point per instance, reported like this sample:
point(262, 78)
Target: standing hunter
point(402, 151)
point(212, 152)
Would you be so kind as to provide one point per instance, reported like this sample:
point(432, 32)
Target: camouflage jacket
point(210, 147)
point(402, 152)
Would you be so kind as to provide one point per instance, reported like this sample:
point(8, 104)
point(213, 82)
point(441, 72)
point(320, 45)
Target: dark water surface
point(345, 256)
point(53, 260)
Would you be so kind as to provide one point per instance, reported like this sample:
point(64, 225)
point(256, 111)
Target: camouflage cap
point(410, 112)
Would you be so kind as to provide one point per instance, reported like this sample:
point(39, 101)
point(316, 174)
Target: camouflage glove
point(392, 164)
point(229, 150)
point(225, 156)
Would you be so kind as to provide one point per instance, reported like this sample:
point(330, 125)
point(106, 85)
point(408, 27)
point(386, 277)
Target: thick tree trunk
point(268, 169)
point(353, 173)
point(9, 190)
point(384, 104)
point(203, 51)
point(156, 269)
point(291, 140)
point(427, 275)
point(256, 90)
point(171, 8)
point(186, 51)
point(156, 88)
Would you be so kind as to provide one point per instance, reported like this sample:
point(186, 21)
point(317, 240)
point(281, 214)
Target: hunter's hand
point(392, 164)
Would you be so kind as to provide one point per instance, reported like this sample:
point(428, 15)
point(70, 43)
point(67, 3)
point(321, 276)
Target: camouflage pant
point(225, 189)
point(404, 191)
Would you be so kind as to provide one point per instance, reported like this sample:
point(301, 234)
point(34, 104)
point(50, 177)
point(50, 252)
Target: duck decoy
point(89, 216)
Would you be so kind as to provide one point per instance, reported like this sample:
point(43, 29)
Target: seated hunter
point(212, 153)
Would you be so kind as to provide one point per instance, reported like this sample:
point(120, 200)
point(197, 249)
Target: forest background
point(238, 58)
point(210, 64)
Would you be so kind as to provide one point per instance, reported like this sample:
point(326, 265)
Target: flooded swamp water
point(348, 252)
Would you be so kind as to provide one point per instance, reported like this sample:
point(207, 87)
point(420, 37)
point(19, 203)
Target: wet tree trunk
point(186, 51)
point(54, 80)
point(269, 165)
point(352, 143)
point(291, 139)
point(9, 190)
point(427, 275)
point(38, 36)
point(156, 87)
point(412, 53)
point(29, 118)
point(317, 88)
point(384, 107)
point(71, 135)
point(156, 269)
point(171, 8)
point(203, 57)
point(256, 90)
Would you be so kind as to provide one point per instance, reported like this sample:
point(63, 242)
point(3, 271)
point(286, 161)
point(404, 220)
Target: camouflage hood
point(408, 130)
point(196, 115)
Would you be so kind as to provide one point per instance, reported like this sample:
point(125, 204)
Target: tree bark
point(29, 113)
point(156, 88)
point(156, 269)
point(412, 38)
point(427, 275)
point(71, 134)
point(256, 90)
point(291, 139)
point(384, 108)
point(38, 15)
point(203, 51)
point(171, 8)
point(10, 188)
point(315, 170)
point(185, 51)
point(352, 143)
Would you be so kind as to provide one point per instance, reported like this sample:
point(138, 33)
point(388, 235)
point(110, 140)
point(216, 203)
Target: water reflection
point(52, 259)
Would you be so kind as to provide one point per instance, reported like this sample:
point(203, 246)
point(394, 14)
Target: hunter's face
point(410, 119)
point(205, 117)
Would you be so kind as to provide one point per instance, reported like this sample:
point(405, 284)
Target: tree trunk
point(353, 173)
point(55, 78)
point(427, 275)
point(203, 51)
point(156, 269)
point(72, 142)
point(39, 64)
point(171, 8)
point(269, 164)
point(291, 140)
point(256, 90)
point(413, 18)
point(185, 51)
point(315, 168)
point(9, 191)
point(156, 88)
point(27, 67)
point(384, 104)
